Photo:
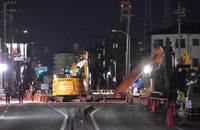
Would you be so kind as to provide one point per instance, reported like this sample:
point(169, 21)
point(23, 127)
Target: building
point(63, 61)
point(189, 41)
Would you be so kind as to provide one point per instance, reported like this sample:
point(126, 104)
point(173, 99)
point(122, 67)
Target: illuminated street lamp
point(128, 65)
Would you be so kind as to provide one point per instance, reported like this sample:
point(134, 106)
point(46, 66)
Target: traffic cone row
point(40, 98)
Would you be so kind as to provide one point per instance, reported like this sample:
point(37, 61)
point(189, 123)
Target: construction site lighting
point(55, 76)
point(25, 31)
point(147, 69)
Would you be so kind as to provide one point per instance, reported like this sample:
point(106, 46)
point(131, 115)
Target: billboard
point(19, 51)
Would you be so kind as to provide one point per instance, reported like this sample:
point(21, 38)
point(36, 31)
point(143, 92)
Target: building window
point(158, 42)
point(195, 62)
point(115, 45)
point(182, 43)
point(195, 42)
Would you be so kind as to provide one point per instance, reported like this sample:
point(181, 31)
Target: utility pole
point(126, 8)
point(180, 14)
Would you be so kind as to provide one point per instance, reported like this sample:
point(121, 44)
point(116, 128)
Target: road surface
point(43, 117)
point(128, 117)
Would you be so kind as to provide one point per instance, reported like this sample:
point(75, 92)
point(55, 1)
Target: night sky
point(54, 25)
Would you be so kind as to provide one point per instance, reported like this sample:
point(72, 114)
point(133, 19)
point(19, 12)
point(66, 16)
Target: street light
point(127, 50)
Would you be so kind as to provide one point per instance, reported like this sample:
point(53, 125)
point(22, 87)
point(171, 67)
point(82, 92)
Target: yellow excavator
point(75, 83)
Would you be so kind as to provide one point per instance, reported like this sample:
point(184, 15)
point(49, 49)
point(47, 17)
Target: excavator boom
point(155, 59)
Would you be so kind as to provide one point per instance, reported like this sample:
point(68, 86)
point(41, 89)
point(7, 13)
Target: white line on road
point(65, 119)
point(178, 128)
point(93, 120)
point(2, 116)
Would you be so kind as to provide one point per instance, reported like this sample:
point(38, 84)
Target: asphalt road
point(127, 117)
point(42, 117)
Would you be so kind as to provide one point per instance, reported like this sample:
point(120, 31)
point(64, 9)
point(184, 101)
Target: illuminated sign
point(19, 51)
point(40, 70)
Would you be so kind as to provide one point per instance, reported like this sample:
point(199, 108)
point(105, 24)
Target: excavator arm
point(155, 59)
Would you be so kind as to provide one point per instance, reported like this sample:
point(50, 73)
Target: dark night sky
point(56, 24)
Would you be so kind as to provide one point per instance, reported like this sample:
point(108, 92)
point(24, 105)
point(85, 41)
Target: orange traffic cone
point(126, 99)
point(170, 116)
point(169, 120)
point(104, 99)
point(80, 98)
point(153, 109)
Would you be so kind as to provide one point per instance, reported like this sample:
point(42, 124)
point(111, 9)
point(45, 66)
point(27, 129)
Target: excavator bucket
point(155, 59)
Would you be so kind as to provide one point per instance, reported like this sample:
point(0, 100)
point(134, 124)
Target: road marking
point(93, 120)
point(2, 116)
point(178, 128)
point(65, 119)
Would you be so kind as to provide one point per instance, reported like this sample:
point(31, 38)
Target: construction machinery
point(74, 83)
point(154, 60)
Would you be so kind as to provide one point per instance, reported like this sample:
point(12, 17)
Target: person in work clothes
point(20, 90)
point(8, 92)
